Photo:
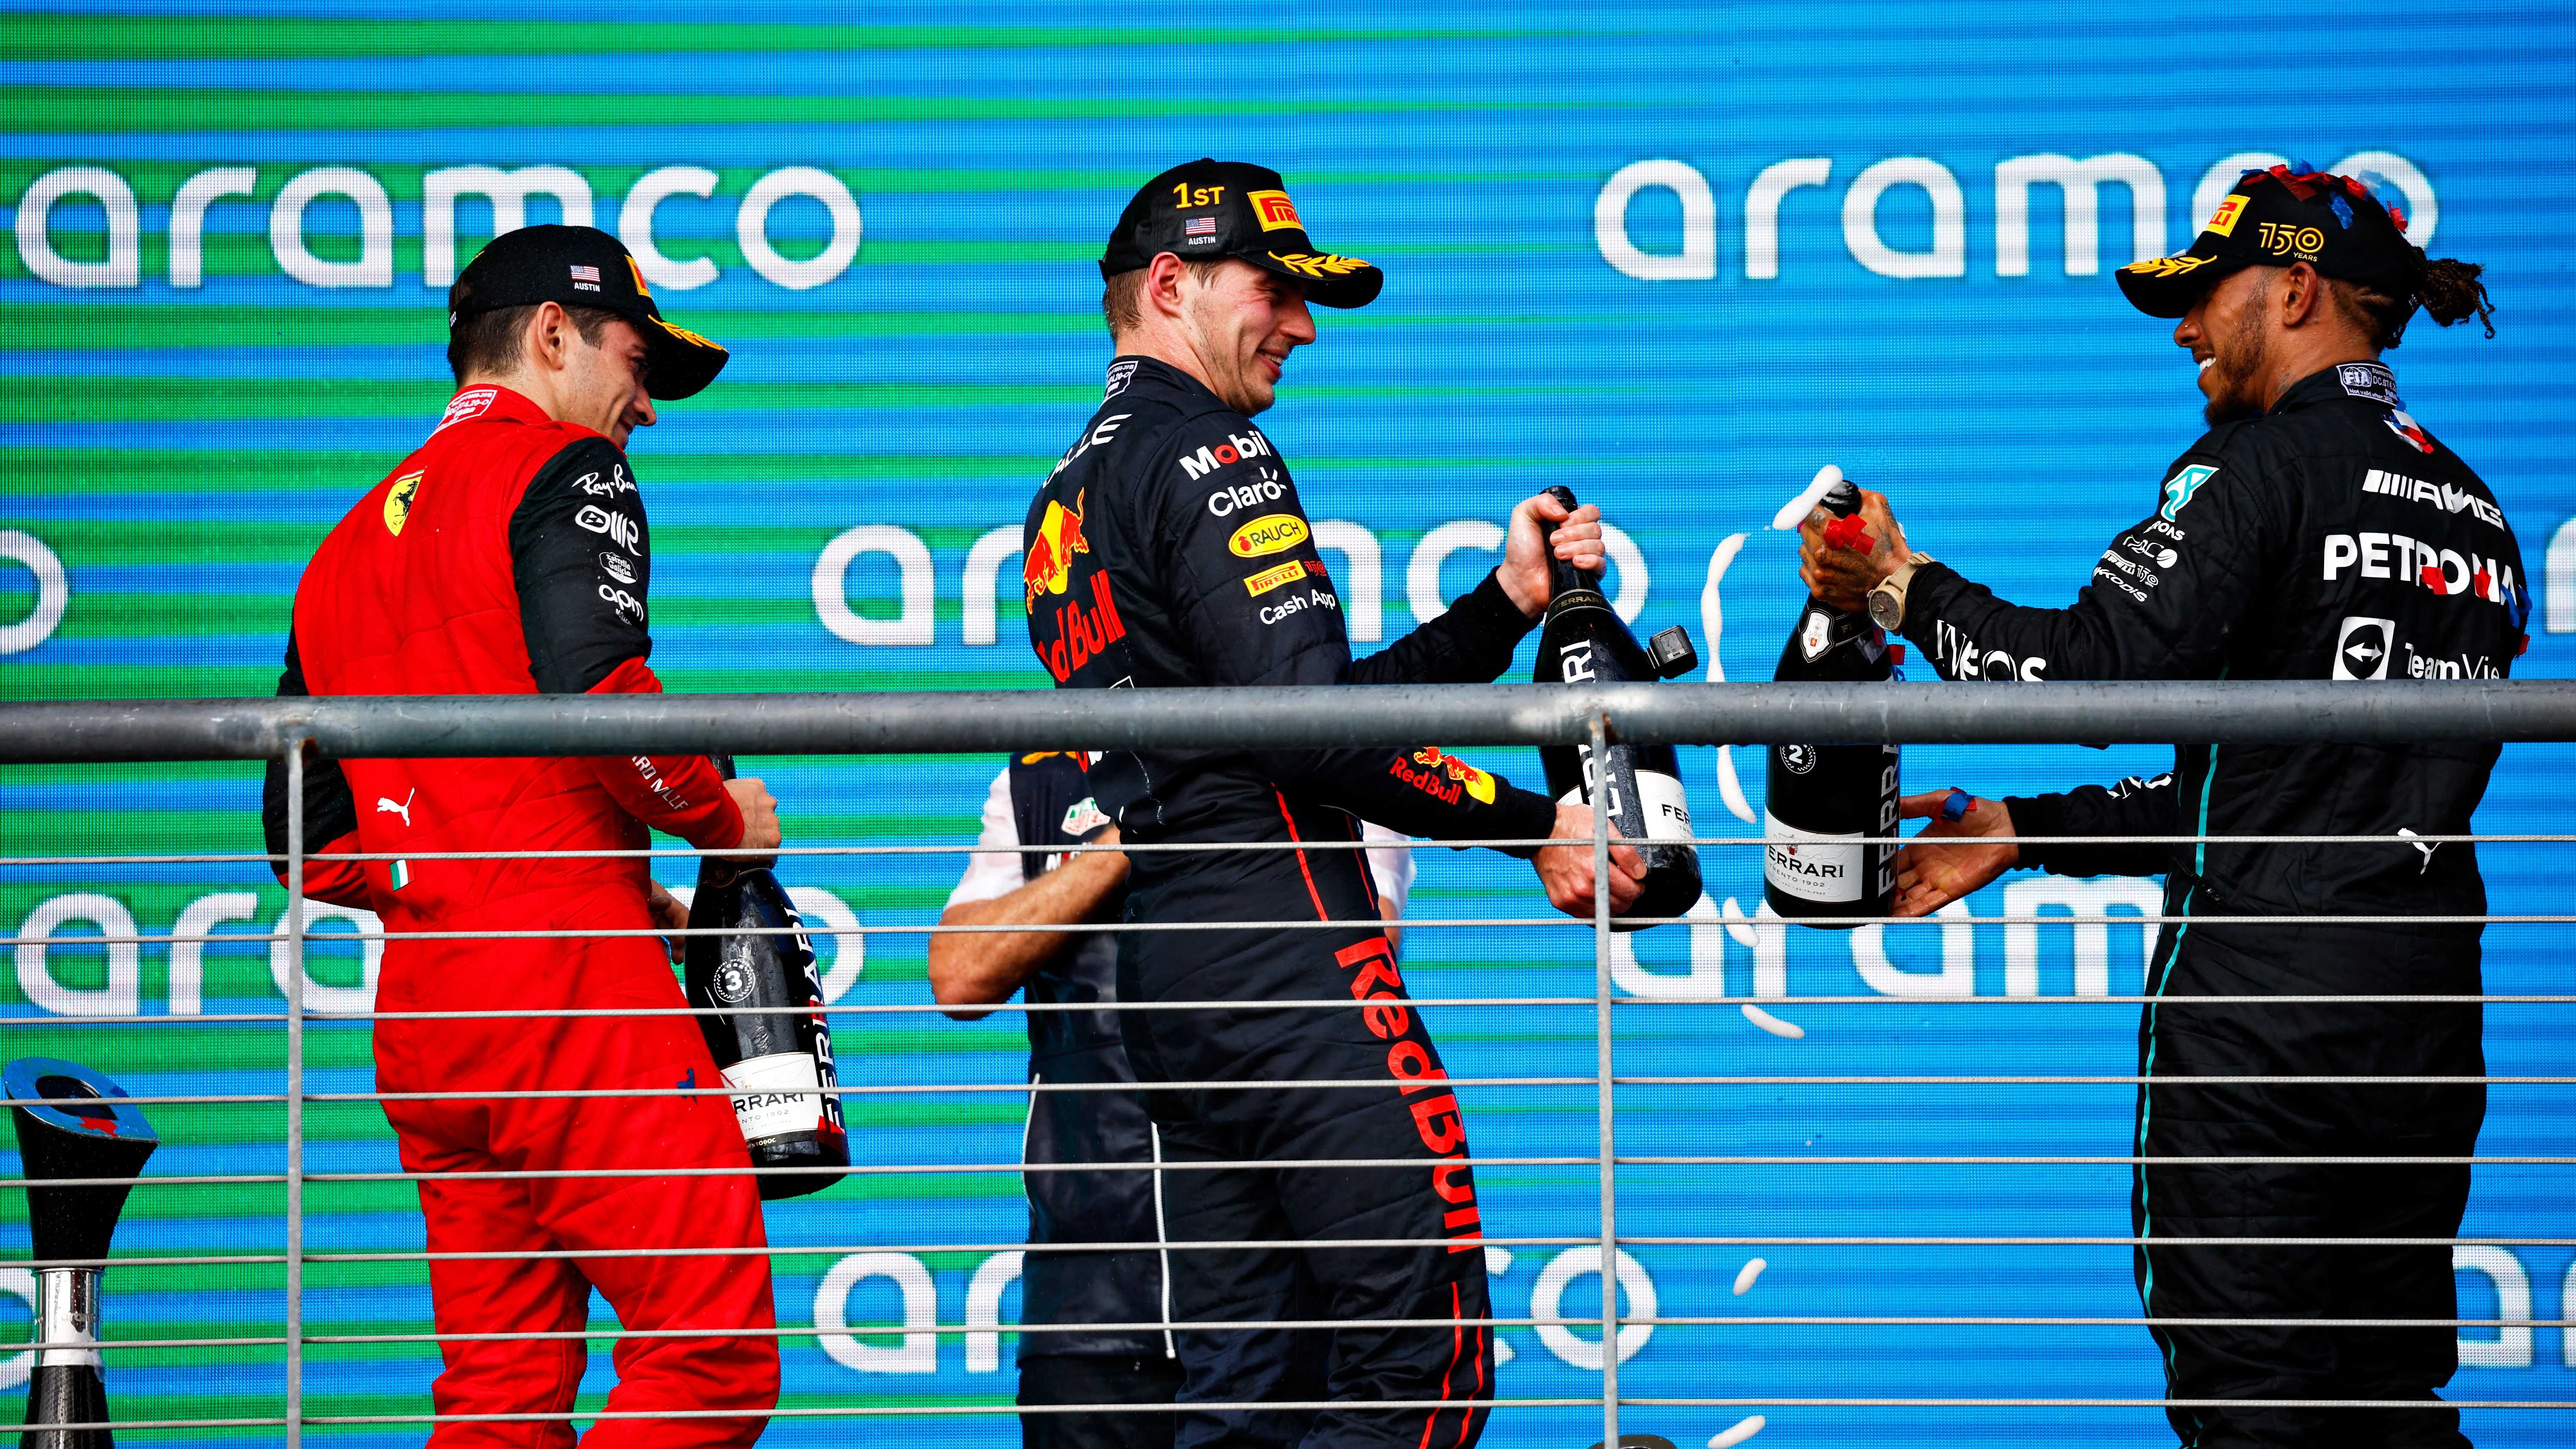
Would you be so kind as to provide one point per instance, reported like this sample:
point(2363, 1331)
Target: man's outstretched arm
point(983, 968)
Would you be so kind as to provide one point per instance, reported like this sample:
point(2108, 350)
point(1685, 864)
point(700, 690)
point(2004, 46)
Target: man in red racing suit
point(509, 555)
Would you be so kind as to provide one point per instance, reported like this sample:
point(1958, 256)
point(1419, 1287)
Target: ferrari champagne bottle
point(778, 1063)
point(1824, 801)
point(1584, 641)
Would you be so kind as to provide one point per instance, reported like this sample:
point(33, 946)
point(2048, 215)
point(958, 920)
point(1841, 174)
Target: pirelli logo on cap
point(2223, 220)
point(1275, 211)
point(1268, 579)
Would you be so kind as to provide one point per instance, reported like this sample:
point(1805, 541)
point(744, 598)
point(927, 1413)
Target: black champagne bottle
point(1823, 801)
point(779, 1063)
point(1584, 641)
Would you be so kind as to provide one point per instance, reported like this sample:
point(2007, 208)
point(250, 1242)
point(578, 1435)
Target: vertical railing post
point(295, 1092)
point(1600, 783)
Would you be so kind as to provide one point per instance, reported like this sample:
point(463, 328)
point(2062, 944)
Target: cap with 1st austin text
point(1207, 209)
point(582, 266)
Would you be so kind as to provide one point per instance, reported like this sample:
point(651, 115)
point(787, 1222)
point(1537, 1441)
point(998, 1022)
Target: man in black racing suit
point(1170, 548)
point(2316, 532)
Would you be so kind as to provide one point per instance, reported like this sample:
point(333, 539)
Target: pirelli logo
point(1268, 579)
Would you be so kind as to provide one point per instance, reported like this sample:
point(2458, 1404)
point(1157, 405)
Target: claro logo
point(441, 191)
point(1769, 205)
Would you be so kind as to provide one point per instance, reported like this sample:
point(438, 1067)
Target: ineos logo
point(1797, 759)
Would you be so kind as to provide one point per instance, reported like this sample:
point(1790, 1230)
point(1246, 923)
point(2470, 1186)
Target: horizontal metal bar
point(918, 1008)
point(836, 1250)
point(1118, 928)
point(910, 1089)
point(1496, 1405)
point(1307, 717)
point(954, 1330)
point(1372, 843)
point(938, 1169)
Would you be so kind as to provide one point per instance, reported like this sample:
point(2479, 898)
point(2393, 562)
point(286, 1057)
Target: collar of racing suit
point(2372, 382)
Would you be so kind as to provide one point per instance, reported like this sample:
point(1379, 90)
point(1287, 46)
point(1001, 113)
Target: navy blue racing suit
point(1169, 548)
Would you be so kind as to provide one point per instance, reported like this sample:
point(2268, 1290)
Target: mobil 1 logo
point(2362, 646)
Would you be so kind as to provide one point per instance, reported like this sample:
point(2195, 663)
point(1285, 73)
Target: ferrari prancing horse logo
point(398, 502)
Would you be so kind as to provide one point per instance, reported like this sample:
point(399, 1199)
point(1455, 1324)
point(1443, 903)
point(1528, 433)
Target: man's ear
point(2302, 295)
point(548, 340)
point(1164, 277)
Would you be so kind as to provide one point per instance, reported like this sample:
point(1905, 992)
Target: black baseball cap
point(1207, 209)
point(2353, 227)
point(582, 266)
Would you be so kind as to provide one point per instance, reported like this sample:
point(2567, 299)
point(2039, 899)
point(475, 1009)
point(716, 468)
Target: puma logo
point(2419, 845)
point(385, 806)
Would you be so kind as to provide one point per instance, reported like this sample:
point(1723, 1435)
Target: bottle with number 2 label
point(1825, 801)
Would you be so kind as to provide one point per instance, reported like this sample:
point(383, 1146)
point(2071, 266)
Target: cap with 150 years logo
point(2353, 227)
point(582, 266)
point(1206, 209)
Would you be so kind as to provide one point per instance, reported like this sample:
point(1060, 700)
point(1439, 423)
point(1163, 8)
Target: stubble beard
point(2234, 393)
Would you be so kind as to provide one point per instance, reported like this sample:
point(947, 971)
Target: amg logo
point(2447, 497)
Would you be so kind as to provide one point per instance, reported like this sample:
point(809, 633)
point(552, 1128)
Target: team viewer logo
point(1275, 211)
point(2361, 647)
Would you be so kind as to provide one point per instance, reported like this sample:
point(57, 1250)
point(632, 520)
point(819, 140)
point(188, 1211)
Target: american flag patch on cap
point(585, 274)
point(1200, 226)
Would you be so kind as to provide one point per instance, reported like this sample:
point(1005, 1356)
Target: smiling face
point(603, 386)
point(2228, 334)
point(1242, 323)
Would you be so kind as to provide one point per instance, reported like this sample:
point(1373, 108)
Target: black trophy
point(95, 1136)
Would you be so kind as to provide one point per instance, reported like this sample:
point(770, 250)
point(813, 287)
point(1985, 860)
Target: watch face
point(1886, 607)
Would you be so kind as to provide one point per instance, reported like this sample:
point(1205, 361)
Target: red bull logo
point(1477, 783)
point(1048, 568)
point(1389, 1017)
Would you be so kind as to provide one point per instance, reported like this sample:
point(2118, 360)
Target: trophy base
point(66, 1394)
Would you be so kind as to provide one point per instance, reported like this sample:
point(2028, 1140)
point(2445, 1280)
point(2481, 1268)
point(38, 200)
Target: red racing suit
point(509, 555)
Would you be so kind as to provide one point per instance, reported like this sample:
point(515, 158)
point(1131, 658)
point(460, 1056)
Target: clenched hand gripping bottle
point(1584, 641)
point(1824, 800)
point(778, 1063)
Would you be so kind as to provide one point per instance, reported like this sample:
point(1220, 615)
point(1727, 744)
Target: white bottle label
point(783, 1094)
point(1809, 866)
point(1667, 809)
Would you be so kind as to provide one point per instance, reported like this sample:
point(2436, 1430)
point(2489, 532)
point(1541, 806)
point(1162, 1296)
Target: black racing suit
point(1169, 548)
point(2329, 538)
point(1052, 804)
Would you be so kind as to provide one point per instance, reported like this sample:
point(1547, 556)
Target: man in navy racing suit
point(2318, 531)
point(1170, 548)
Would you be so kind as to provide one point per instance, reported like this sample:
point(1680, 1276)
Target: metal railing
point(296, 730)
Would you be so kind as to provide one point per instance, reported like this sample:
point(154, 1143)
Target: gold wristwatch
point(1887, 601)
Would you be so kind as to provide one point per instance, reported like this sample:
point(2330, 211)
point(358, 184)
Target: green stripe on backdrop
point(160, 399)
point(83, 111)
point(146, 37)
point(156, 180)
point(104, 324)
